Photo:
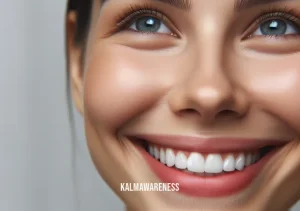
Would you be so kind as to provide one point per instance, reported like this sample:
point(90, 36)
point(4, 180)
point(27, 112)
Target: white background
point(36, 148)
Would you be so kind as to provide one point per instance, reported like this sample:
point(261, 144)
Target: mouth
point(206, 167)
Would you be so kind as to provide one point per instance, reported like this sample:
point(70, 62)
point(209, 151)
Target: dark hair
point(83, 9)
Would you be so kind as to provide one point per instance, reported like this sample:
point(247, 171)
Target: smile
point(202, 163)
point(206, 167)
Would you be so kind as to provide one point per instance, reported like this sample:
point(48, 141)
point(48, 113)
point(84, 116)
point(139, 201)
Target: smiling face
point(193, 92)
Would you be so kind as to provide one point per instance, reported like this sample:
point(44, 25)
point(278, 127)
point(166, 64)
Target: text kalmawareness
point(160, 187)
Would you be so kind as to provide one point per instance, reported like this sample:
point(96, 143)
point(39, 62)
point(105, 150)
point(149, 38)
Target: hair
point(83, 9)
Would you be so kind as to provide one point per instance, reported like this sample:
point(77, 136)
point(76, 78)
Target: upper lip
point(206, 145)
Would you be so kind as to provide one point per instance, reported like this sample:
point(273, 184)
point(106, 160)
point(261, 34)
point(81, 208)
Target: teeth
point(180, 161)
point(196, 163)
point(248, 161)
point(229, 163)
point(170, 158)
point(162, 156)
point(151, 150)
point(214, 163)
point(256, 157)
point(156, 153)
point(240, 162)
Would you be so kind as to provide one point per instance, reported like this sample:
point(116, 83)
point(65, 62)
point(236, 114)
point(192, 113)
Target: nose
point(209, 94)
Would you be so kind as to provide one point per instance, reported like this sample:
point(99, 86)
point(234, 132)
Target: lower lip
point(211, 186)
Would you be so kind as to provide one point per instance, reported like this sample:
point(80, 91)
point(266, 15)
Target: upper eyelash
point(274, 12)
point(136, 10)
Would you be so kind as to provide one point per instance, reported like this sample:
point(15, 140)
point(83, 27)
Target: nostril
point(223, 113)
point(228, 113)
point(190, 110)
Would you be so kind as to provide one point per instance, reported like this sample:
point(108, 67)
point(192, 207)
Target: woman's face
point(203, 85)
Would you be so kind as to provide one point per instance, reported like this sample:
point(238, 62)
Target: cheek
point(274, 85)
point(121, 83)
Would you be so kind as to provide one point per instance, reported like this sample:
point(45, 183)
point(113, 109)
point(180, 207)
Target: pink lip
point(201, 186)
point(208, 145)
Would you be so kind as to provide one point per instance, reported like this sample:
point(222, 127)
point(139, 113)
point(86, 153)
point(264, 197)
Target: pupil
point(148, 24)
point(274, 27)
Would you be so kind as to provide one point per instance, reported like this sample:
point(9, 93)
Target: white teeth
point(214, 163)
point(162, 156)
point(229, 163)
point(240, 162)
point(170, 157)
point(248, 161)
point(196, 163)
point(151, 150)
point(156, 153)
point(180, 161)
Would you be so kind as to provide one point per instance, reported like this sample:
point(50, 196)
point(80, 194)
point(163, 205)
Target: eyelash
point(135, 11)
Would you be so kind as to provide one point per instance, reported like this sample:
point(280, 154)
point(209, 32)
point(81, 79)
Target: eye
point(276, 27)
point(150, 24)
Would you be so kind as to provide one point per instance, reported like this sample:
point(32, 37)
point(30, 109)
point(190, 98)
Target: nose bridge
point(208, 48)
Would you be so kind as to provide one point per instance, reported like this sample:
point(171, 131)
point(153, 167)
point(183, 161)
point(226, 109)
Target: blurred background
point(36, 147)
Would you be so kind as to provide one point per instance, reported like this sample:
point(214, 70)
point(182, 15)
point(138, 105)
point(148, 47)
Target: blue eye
point(276, 27)
point(150, 24)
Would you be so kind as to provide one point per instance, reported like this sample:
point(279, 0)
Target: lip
point(207, 145)
point(207, 186)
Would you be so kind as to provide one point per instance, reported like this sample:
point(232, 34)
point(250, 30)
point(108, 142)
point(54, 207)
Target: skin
point(208, 81)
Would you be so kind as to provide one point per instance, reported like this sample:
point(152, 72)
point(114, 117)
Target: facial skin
point(201, 75)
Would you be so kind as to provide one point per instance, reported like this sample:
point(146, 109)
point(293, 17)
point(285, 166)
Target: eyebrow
point(187, 4)
point(180, 4)
point(246, 4)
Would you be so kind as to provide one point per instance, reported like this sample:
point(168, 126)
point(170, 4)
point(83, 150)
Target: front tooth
point(248, 159)
point(162, 156)
point(170, 157)
point(214, 163)
point(240, 162)
point(156, 153)
point(196, 163)
point(229, 163)
point(180, 161)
